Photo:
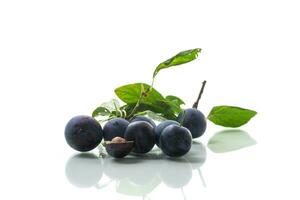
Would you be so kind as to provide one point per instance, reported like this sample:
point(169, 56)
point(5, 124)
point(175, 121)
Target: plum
point(118, 147)
point(114, 128)
point(175, 140)
point(160, 127)
point(142, 133)
point(83, 133)
point(143, 118)
point(194, 120)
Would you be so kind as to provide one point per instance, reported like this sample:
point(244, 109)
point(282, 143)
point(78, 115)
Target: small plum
point(175, 141)
point(83, 133)
point(142, 133)
point(194, 120)
point(160, 127)
point(118, 147)
point(143, 118)
point(114, 128)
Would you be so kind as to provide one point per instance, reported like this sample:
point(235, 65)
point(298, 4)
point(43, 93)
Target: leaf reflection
point(230, 140)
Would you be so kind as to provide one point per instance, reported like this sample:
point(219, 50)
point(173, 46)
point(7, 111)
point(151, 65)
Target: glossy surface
point(145, 119)
point(114, 128)
point(84, 170)
point(61, 58)
point(142, 134)
point(142, 175)
point(160, 127)
point(175, 141)
point(83, 133)
point(194, 120)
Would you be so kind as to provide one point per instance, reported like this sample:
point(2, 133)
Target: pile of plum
point(139, 135)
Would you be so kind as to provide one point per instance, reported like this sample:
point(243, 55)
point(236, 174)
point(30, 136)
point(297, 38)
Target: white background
point(62, 58)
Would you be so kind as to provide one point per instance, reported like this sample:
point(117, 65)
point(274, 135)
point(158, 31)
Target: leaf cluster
point(144, 99)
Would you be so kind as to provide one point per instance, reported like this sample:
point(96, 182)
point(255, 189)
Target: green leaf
point(131, 93)
point(230, 116)
point(161, 108)
point(230, 140)
point(175, 99)
point(101, 111)
point(175, 103)
point(153, 101)
point(111, 105)
point(110, 108)
point(169, 106)
point(153, 115)
point(180, 58)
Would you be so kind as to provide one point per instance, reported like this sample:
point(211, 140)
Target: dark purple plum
point(83, 133)
point(114, 128)
point(142, 133)
point(160, 127)
point(194, 120)
point(143, 118)
point(175, 140)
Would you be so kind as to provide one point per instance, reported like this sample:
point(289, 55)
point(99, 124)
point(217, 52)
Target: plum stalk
point(195, 105)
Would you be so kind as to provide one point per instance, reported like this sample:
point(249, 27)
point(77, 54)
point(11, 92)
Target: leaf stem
point(195, 105)
point(149, 89)
point(117, 110)
point(134, 109)
point(152, 84)
point(143, 93)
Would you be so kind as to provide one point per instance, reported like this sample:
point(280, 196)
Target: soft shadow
point(197, 155)
point(129, 187)
point(230, 140)
point(152, 155)
point(155, 167)
point(136, 174)
point(84, 170)
point(133, 178)
point(175, 173)
point(144, 177)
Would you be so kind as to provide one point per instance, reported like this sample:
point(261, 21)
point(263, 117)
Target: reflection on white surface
point(84, 170)
point(230, 140)
point(196, 157)
point(139, 175)
point(136, 175)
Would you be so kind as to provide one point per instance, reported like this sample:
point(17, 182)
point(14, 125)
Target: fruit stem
point(195, 105)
